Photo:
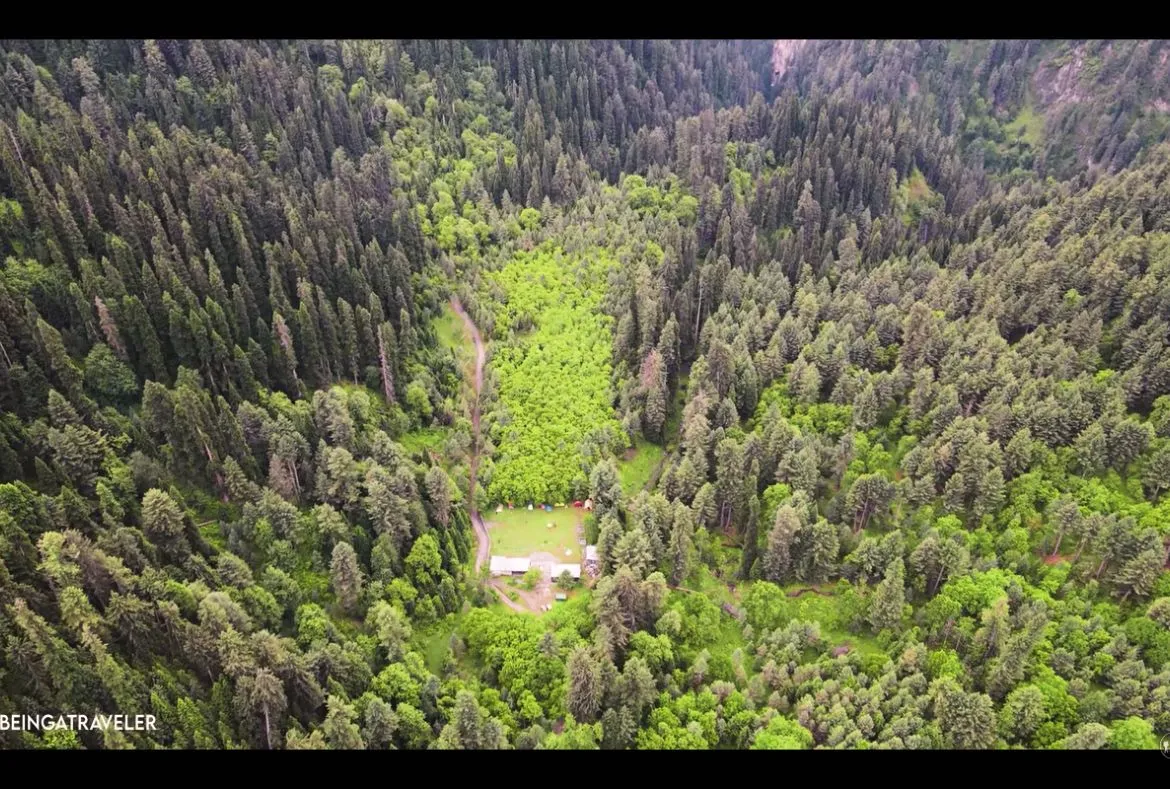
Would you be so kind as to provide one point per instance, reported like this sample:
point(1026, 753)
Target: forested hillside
point(1060, 108)
point(892, 318)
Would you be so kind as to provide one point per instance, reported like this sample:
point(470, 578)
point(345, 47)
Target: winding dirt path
point(483, 540)
point(508, 601)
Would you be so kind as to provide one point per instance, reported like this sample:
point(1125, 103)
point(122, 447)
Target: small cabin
point(588, 505)
point(592, 560)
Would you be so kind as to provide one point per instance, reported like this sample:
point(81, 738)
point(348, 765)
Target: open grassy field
point(451, 332)
point(635, 471)
point(520, 532)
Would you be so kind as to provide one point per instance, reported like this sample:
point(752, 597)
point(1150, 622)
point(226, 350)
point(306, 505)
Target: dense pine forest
point(859, 350)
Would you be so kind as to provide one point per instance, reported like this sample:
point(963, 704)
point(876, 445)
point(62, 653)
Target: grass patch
point(422, 439)
point(823, 610)
point(213, 535)
point(521, 532)
point(635, 472)
point(730, 638)
point(435, 649)
point(208, 514)
point(703, 580)
point(315, 586)
point(434, 642)
point(916, 199)
point(451, 332)
point(572, 594)
point(1028, 125)
point(916, 186)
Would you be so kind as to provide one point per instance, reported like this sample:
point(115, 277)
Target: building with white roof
point(508, 565)
point(574, 570)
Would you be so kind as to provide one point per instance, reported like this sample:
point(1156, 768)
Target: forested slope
point(1061, 108)
point(918, 487)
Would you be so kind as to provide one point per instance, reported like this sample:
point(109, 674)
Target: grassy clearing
point(315, 586)
point(730, 639)
point(451, 332)
point(823, 610)
point(572, 594)
point(1028, 125)
point(809, 607)
point(423, 438)
point(213, 535)
point(434, 642)
point(916, 186)
point(208, 514)
point(915, 198)
point(703, 580)
point(521, 532)
point(635, 472)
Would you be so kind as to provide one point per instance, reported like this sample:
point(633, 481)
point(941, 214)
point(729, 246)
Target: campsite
point(522, 532)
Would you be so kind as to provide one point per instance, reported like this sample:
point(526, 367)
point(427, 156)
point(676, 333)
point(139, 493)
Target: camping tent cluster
point(585, 505)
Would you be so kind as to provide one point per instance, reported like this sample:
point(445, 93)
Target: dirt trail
point(500, 593)
point(807, 590)
point(484, 548)
point(483, 539)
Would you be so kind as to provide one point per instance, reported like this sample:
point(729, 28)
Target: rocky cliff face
point(1103, 101)
point(784, 51)
point(1059, 84)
